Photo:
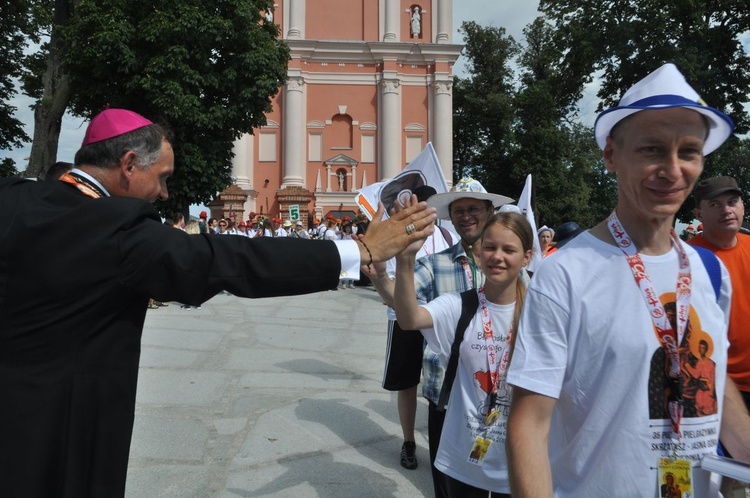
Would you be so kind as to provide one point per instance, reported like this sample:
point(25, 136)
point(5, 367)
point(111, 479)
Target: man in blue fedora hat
point(618, 326)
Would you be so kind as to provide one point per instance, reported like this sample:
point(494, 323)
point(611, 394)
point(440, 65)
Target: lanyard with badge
point(669, 338)
point(498, 358)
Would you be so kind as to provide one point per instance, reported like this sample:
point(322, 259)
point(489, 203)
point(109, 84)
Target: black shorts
point(403, 361)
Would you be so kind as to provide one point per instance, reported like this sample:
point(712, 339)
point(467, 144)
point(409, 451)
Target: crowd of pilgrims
point(260, 226)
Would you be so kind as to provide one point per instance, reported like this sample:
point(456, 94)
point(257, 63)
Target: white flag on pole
point(524, 204)
point(423, 170)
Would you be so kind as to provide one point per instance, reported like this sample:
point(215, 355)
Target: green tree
point(505, 129)
point(466, 145)
point(539, 132)
point(7, 168)
point(548, 143)
point(483, 111)
point(624, 40)
point(206, 68)
point(15, 26)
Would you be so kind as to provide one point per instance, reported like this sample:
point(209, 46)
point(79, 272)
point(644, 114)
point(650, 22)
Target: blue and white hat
point(663, 89)
point(467, 188)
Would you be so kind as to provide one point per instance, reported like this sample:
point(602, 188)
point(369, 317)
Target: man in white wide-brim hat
point(602, 404)
point(468, 205)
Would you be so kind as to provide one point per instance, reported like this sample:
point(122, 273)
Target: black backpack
point(469, 305)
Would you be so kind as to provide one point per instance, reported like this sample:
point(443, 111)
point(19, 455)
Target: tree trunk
point(48, 112)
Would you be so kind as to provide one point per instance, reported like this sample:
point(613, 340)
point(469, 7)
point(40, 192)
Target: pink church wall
point(322, 105)
point(335, 20)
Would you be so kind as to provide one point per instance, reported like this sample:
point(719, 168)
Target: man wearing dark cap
point(79, 259)
point(566, 232)
point(719, 206)
point(612, 323)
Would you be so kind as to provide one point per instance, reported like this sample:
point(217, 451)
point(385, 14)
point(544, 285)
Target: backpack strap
point(446, 235)
point(711, 262)
point(469, 305)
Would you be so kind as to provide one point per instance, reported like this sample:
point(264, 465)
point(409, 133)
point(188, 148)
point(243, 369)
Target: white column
point(390, 126)
point(328, 178)
point(391, 20)
point(444, 21)
point(296, 20)
point(239, 162)
point(443, 123)
point(293, 162)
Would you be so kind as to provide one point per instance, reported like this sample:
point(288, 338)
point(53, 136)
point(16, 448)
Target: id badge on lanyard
point(498, 356)
point(670, 340)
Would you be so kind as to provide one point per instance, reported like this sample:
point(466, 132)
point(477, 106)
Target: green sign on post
point(294, 212)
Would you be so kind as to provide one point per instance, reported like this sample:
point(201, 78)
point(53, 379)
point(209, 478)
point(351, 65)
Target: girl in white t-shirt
point(472, 447)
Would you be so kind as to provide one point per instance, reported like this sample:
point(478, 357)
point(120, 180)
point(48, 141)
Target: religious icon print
point(697, 370)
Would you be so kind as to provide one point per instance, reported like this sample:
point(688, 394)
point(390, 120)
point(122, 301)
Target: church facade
point(370, 84)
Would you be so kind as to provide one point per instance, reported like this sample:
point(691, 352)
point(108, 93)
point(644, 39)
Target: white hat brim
point(442, 202)
point(720, 125)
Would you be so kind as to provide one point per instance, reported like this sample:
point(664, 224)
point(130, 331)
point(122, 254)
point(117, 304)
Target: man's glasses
point(472, 211)
point(222, 224)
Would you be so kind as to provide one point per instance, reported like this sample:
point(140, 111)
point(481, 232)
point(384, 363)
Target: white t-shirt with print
point(467, 407)
point(586, 338)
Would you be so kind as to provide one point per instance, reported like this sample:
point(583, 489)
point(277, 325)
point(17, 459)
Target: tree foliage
point(483, 111)
point(627, 39)
point(7, 168)
point(205, 68)
point(535, 134)
point(15, 25)
point(549, 144)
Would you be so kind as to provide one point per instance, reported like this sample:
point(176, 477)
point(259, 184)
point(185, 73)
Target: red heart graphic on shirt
point(485, 380)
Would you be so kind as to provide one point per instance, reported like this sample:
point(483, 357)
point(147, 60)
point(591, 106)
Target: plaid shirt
point(435, 275)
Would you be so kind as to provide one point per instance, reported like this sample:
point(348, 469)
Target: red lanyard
point(469, 270)
point(498, 356)
point(669, 338)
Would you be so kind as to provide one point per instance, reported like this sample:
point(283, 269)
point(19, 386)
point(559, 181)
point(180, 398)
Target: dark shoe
point(409, 455)
point(159, 303)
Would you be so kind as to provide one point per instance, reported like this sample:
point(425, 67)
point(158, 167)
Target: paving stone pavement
point(270, 397)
